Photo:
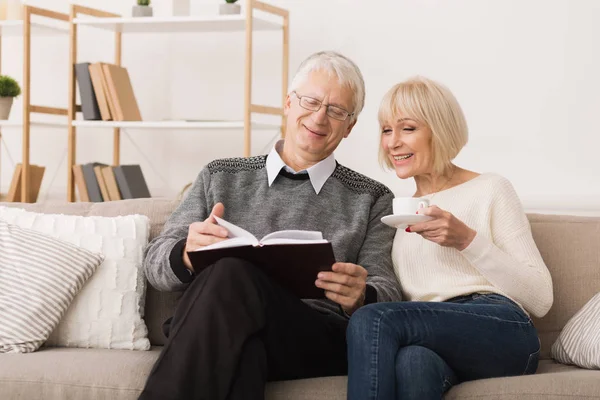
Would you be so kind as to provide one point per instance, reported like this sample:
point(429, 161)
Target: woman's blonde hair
point(434, 105)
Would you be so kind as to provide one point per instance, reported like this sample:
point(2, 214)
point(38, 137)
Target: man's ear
point(350, 128)
point(287, 105)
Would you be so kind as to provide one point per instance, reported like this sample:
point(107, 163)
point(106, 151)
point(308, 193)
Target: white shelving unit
point(46, 23)
point(217, 23)
point(172, 124)
point(19, 124)
point(248, 23)
point(15, 28)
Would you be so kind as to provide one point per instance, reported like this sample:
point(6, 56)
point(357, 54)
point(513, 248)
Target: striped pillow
point(579, 341)
point(39, 277)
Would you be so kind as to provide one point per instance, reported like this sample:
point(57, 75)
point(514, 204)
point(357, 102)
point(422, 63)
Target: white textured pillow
point(39, 276)
point(108, 311)
point(579, 341)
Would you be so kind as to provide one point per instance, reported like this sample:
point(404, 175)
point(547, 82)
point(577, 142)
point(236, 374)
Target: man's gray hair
point(342, 67)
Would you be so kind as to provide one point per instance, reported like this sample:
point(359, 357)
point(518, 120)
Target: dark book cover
point(293, 266)
point(130, 179)
point(89, 103)
point(91, 182)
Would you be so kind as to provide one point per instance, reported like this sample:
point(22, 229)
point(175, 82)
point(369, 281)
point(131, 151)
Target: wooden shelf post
point(28, 108)
point(73, 107)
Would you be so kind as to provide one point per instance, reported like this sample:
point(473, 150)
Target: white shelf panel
point(18, 124)
point(15, 28)
point(172, 124)
point(218, 23)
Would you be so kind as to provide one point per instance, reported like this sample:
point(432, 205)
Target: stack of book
point(98, 182)
point(106, 93)
point(36, 173)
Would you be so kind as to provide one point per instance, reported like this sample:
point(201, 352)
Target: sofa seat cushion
point(552, 381)
point(100, 374)
point(331, 388)
point(54, 373)
point(71, 373)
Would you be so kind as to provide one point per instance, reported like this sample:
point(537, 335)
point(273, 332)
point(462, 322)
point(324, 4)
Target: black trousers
point(234, 330)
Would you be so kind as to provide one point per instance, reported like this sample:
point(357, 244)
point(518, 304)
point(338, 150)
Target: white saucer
point(403, 220)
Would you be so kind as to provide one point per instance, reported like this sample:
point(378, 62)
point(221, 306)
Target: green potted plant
point(142, 9)
point(9, 89)
point(229, 7)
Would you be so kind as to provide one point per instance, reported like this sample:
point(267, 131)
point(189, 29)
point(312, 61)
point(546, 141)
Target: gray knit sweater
point(347, 211)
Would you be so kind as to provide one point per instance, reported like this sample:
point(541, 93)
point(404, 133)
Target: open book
point(291, 258)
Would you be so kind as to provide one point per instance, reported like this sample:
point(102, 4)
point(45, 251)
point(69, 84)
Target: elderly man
point(235, 329)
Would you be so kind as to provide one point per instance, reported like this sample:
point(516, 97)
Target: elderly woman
point(472, 274)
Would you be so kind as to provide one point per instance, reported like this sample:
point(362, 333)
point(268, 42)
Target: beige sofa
point(570, 246)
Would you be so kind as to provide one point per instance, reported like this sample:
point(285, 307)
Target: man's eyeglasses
point(310, 104)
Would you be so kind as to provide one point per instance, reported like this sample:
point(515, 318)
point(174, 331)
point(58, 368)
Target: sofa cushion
point(330, 388)
point(69, 373)
point(579, 341)
point(107, 312)
point(99, 374)
point(552, 381)
point(569, 247)
point(156, 209)
point(159, 305)
point(39, 277)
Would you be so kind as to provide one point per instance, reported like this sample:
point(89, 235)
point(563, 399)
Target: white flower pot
point(181, 7)
point(5, 106)
point(229, 8)
point(141, 11)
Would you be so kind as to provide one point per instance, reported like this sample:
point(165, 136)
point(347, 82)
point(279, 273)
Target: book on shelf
point(101, 91)
point(36, 174)
point(292, 258)
point(91, 181)
point(89, 104)
point(80, 183)
point(109, 100)
point(111, 183)
point(131, 182)
point(121, 93)
point(14, 192)
point(101, 181)
point(98, 182)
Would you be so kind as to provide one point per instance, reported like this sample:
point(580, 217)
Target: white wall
point(526, 73)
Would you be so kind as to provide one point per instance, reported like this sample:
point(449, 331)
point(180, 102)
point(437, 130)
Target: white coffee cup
point(408, 205)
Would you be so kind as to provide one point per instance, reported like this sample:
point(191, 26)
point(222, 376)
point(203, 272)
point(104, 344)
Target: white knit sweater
point(502, 258)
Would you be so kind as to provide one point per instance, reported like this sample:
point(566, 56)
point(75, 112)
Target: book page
point(295, 235)
point(290, 241)
point(237, 232)
point(228, 243)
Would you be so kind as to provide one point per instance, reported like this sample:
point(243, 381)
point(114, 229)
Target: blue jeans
point(419, 350)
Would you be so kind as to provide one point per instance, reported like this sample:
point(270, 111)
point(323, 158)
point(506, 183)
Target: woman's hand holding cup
point(444, 229)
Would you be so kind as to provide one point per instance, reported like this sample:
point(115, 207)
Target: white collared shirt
point(318, 173)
